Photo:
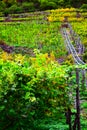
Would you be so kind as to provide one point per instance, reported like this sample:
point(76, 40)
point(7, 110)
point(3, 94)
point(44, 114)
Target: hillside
point(43, 69)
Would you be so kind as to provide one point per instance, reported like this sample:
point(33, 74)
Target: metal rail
point(74, 53)
point(71, 48)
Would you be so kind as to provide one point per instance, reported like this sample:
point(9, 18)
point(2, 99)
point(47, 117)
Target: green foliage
point(48, 5)
point(15, 9)
point(50, 124)
point(83, 123)
point(35, 34)
point(9, 2)
point(84, 105)
point(6, 12)
point(82, 32)
point(29, 91)
point(44, 4)
point(85, 56)
point(84, 6)
point(2, 5)
point(34, 92)
point(28, 6)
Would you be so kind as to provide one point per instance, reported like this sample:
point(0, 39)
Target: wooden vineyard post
point(68, 113)
point(76, 125)
point(77, 101)
point(68, 118)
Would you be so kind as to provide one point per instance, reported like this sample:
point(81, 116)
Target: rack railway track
point(67, 33)
point(71, 48)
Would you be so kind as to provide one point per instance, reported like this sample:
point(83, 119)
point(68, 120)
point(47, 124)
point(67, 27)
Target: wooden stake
point(78, 100)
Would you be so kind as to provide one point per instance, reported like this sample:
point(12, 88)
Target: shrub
point(31, 91)
point(15, 9)
point(2, 5)
point(6, 12)
point(84, 6)
point(28, 6)
point(48, 5)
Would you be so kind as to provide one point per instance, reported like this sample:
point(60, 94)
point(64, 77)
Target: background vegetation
point(17, 6)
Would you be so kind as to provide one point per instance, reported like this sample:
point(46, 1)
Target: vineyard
point(43, 70)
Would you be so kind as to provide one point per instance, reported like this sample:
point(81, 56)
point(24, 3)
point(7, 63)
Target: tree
point(9, 2)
